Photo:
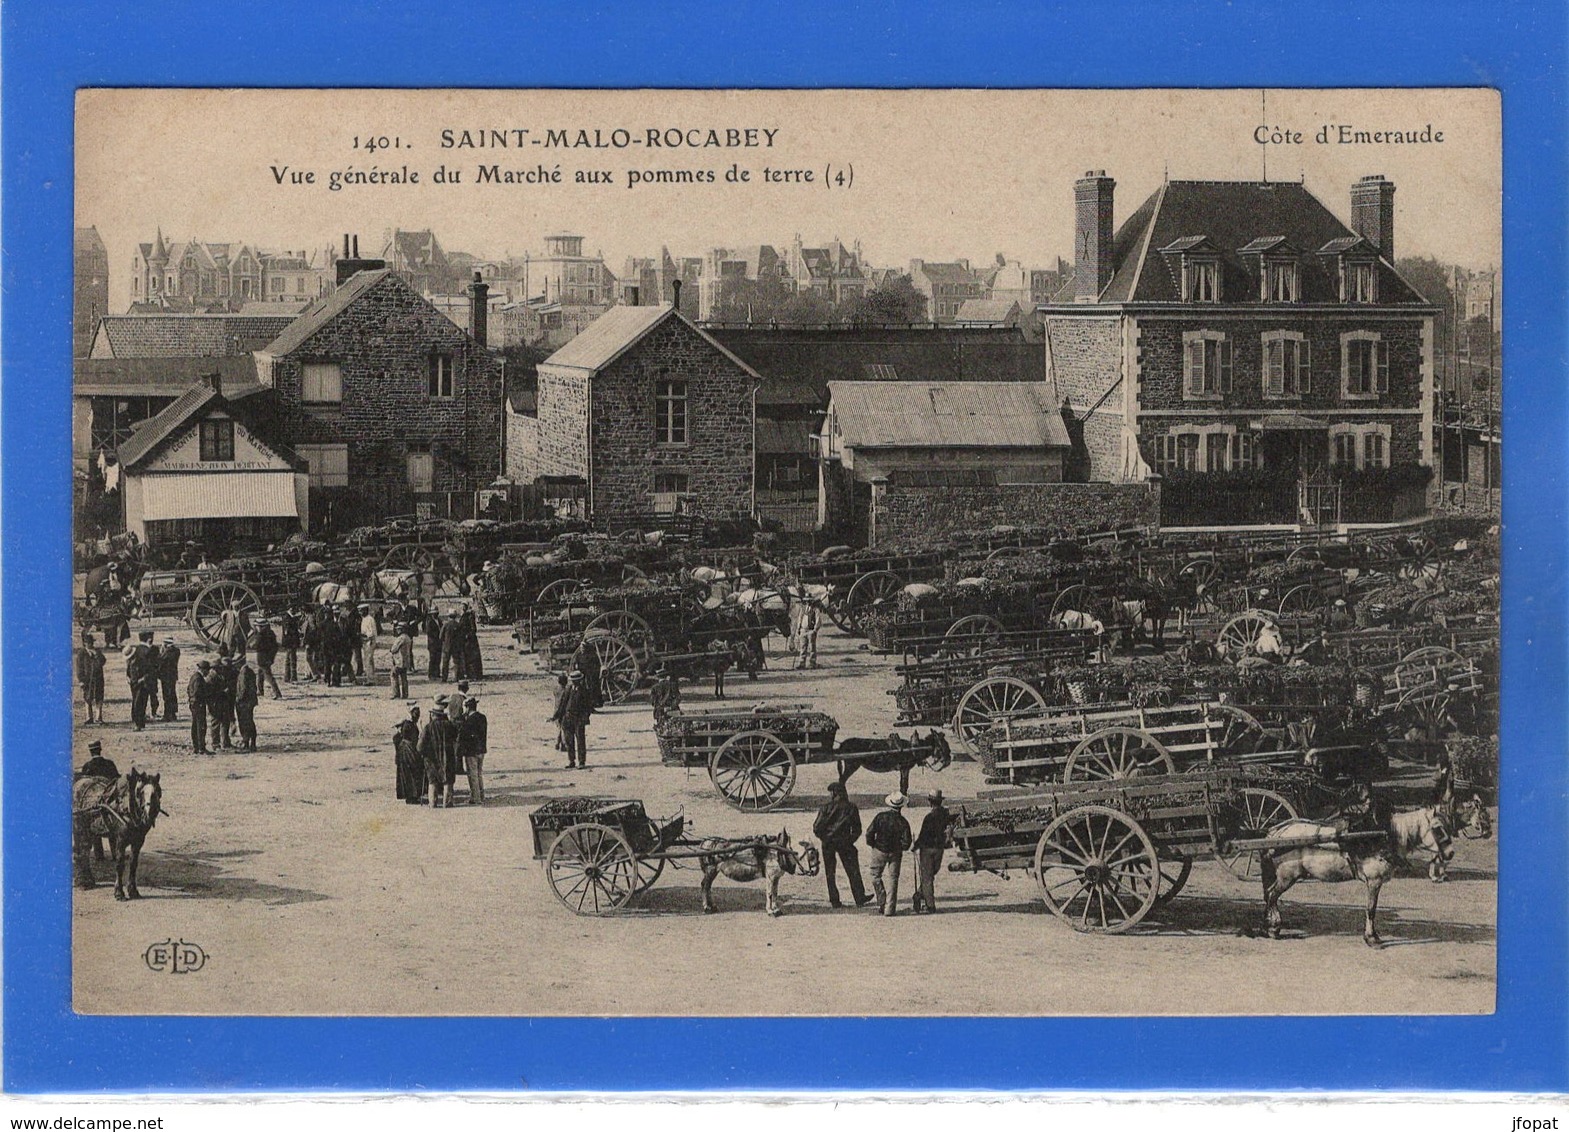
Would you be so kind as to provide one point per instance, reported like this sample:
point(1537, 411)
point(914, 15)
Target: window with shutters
point(328, 463)
point(1287, 365)
point(1364, 365)
point(321, 383)
point(1207, 365)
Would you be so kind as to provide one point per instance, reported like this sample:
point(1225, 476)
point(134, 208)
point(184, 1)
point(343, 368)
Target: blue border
point(52, 48)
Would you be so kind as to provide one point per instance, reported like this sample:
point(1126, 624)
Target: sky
point(935, 175)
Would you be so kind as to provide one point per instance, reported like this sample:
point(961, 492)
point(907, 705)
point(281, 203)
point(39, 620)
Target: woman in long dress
point(411, 768)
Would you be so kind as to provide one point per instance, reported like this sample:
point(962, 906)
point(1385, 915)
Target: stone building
point(395, 409)
point(947, 286)
point(650, 411)
point(563, 274)
point(89, 288)
point(1239, 338)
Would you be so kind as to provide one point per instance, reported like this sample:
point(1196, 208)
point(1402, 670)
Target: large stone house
point(650, 412)
point(1243, 341)
point(395, 409)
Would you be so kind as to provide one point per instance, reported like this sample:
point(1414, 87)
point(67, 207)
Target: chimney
point(1092, 235)
point(356, 247)
point(1373, 213)
point(479, 309)
point(634, 296)
point(346, 246)
point(675, 289)
point(215, 383)
point(351, 264)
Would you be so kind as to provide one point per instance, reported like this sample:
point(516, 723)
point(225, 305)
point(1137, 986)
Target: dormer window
point(1279, 279)
point(1358, 282)
point(1195, 264)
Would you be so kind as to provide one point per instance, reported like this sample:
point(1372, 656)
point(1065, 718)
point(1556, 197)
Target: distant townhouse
point(649, 281)
point(646, 410)
point(89, 288)
point(833, 271)
point(394, 408)
point(563, 274)
point(419, 258)
point(727, 270)
point(947, 286)
point(1238, 338)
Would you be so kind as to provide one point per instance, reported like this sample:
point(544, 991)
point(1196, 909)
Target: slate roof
point(327, 308)
point(1232, 215)
point(152, 434)
point(949, 273)
point(161, 377)
point(618, 330)
point(185, 335)
point(949, 414)
point(999, 311)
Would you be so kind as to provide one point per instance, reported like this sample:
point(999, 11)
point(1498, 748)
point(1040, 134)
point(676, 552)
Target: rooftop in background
point(951, 414)
point(163, 426)
point(617, 330)
point(161, 377)
point(185, 335)
point(324, 310)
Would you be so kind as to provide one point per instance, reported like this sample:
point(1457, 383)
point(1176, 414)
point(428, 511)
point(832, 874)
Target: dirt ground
point(312, 890)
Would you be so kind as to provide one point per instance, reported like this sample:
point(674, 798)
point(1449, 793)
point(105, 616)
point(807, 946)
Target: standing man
point(433, 646)
point(666, 697)
point(219, 694)
point(402, 659)
point(331, 647)
point(90, 662)
point(575, 706)
point(196, 701)
point(141, 673)
point(806, 635)
point(473, 735)
point(438, 749)
point(838, 827)
point(265, 642)
point(888, 838)
point(929, 846)
point(586, 661)
point(234, 628)
point(368, 633)
point(291, 646)
point(453, 655)
point(310, 633)
point(458, 707)
point(246, 689)
point(168, 662)
point(473, 663)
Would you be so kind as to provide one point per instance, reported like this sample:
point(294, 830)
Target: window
point(1216, 448)
point(1280, 282)
point(1201, 280)
point(670, 412)
point(1343, 453)
point(1245, 452)
point(321, 383)
point(1374, 451)
point(669, 490)
point(1286, 364)
point(1358, 282)
point(277, 284)
point(1178, 452)
point(1359, 446)
point(329, 463)
point(1207, 448)
point(217, 441)
point(1364, 365)
point(441, 376)
point(1208, 364)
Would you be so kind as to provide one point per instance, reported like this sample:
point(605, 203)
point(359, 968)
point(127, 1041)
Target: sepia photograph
point(612, 553)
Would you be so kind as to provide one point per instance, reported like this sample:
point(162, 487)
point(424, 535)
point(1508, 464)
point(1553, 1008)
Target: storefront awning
point(219, 495)
point(1288, 422)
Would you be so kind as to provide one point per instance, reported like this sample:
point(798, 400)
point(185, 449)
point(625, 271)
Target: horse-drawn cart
point(751, 755)
point(1105, 853)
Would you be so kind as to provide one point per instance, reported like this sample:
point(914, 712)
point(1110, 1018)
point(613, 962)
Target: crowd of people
point(888, 838)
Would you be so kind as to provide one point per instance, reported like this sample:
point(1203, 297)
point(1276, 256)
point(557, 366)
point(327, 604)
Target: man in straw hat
point(438, 750)
point(888, 838)
point(572, 711)
point(929, 846)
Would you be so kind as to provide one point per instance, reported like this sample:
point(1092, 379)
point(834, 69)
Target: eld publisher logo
point(174, 956)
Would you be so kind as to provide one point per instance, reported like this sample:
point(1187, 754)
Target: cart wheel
point(406, 556)
point(1235, 733)
point(629, 627)
point(1429, 656)
point(1076, 597)
point(1005, 552)
point(1173, 876)
point(1258, 811)
point(1421, 563)
point(1097, 869)
point(870, 590)
point(620, 669)
point(211, 602)
point(1429, 710)
point(1201, 570)
point(1239, 636)
point(592, 869)
point(631, 575)
point(1300, 599)
point(754, 771)
point(648, 870)
point(1302, 555)
point(972, 635)
point(994, 699)
point(1116, 753)
point(558, 592)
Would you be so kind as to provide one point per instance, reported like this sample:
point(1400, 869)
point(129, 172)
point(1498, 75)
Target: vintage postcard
point(743, 553)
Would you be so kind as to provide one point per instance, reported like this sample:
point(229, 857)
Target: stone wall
point(555, 441)
point(906, 513)
point(626, 457)
point(383, 344)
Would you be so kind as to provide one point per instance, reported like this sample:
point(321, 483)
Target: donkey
point(1371, 861)
point(768, 859)
point(122, 809)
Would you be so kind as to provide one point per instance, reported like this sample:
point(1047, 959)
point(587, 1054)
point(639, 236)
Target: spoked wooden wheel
point(1077, 598)
point(1300, 599)
point(632, 576)
point(1430, 711)
point(1005, 552)
point(870, 590)
point(214, 599)
point(648, 870)
point(1431, 656)
point(629, 627)
point(1302, 555)
point(558, 592)
point(1236, 734)
point(754, 770)
point(972, 635)
point(1173, 877)
point(1116, 753)
point(406, 556)
point(1258, 811)
point(1421, 563)
point(992, 700)
point(620, 667)
point(1240, 636)
point(592, 870)
point(1097, 869)
point(1201, 570)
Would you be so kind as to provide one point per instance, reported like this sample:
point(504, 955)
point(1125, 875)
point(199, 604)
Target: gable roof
point(619, 329)
point(988, 310)
point(947, 414)
point(331, 305)
point(948, 273)
point(155, 433)
point(184, 335)
point(1231, 215)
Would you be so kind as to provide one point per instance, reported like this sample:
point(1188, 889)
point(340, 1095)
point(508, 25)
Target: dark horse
point(122, 809)
point(1138, 603)
point(883, 756)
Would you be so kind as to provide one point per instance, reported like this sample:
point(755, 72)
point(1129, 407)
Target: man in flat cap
point(169, 678)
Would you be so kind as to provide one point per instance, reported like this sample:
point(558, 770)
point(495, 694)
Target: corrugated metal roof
point(947, 414)
point(784, 437)
point(160, 377)
point(618, 330)
point(219, 495)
